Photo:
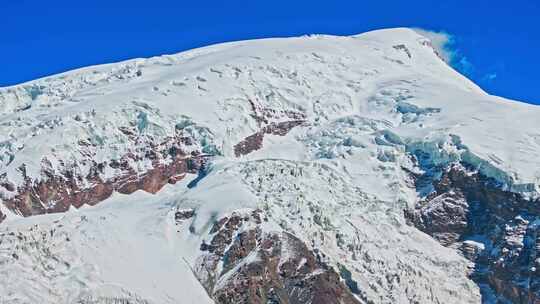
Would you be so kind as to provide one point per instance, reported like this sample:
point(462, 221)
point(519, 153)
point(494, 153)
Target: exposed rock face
point(270, 121)
point(254, 142)
point(244, 265)
point(496, 229)
point(264, 115)
point(58, 191)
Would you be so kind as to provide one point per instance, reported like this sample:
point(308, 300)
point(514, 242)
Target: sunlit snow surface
point(371, 100)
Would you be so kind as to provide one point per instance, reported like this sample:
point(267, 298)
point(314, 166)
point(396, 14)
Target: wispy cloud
point(489, 77)
point(463, 65)
point(441, 41)
point(446, 45)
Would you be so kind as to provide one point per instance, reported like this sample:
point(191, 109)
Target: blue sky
point(496, 43)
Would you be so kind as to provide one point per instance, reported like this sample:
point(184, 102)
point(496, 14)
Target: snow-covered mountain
point(318, 169)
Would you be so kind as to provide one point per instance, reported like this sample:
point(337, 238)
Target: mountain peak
point(316, 160)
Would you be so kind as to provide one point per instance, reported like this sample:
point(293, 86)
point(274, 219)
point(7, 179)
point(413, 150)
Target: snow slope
point(121, 249)
point(324, 76)
point(339, 181)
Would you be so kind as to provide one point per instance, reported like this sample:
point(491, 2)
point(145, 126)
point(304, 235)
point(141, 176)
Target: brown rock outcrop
point(59, 193)
point(494, 228)
point(255, 141)
point(56, 191)
point(265, 267)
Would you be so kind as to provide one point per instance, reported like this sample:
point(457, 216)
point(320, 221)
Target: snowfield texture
point(338, 180)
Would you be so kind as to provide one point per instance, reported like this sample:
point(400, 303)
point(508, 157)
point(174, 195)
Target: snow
point(120, 249)
point(363, 75)
point(337, 182)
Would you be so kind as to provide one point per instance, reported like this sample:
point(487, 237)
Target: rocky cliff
point(495, 229)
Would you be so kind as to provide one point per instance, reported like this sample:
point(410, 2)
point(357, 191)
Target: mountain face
point(317, 169)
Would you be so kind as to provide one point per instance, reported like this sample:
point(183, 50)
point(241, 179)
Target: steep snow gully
point(317, 169)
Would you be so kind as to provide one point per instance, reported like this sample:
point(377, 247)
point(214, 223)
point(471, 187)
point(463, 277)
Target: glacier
point(313, 145)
